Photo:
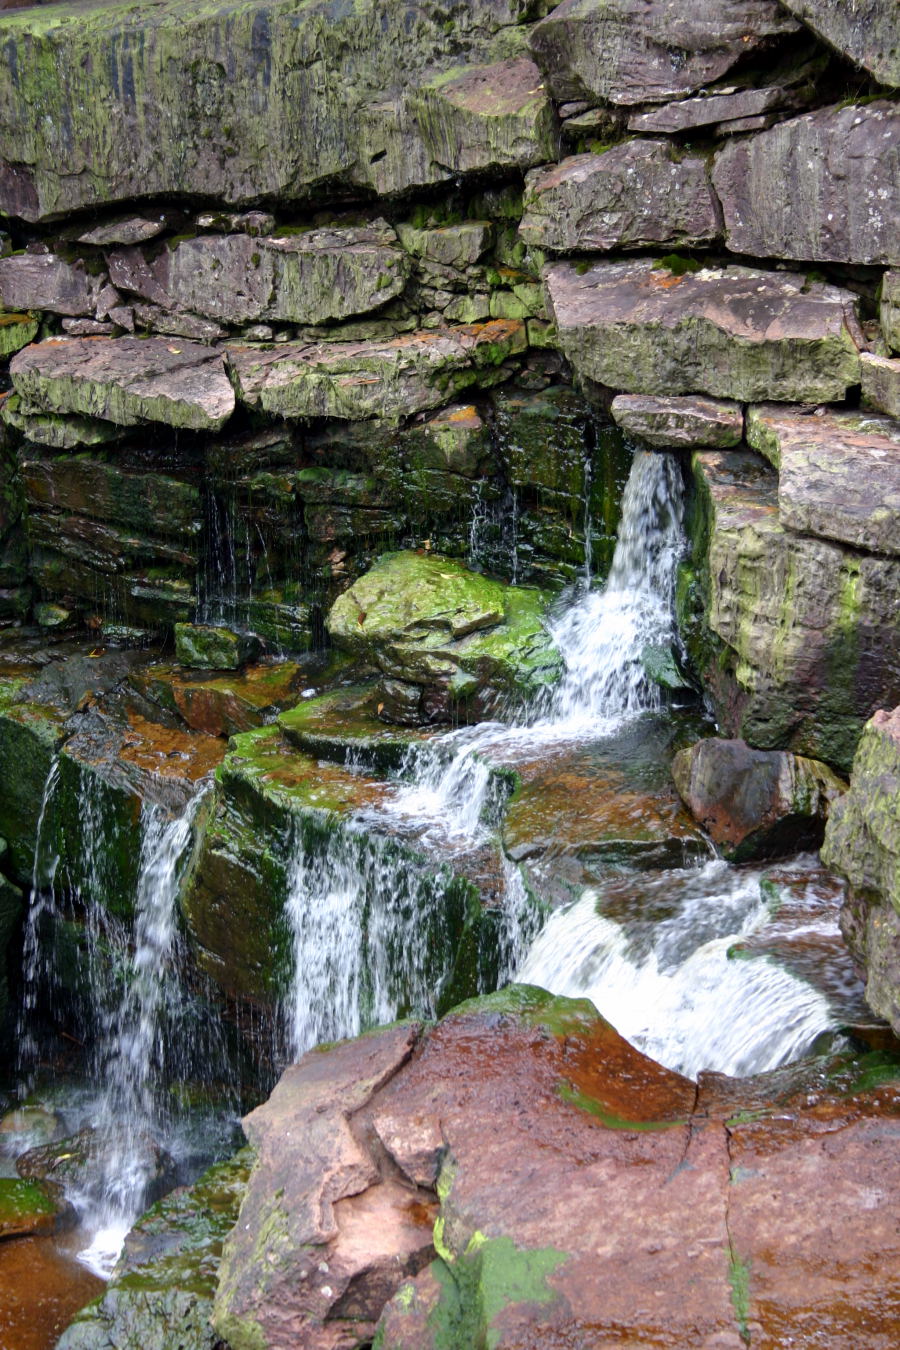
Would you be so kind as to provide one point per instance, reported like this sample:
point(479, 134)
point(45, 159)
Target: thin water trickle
point(42, 906)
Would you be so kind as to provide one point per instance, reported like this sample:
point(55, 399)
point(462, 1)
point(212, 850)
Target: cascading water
point(42, 909)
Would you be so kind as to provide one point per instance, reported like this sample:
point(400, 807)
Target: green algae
point(609, 1118)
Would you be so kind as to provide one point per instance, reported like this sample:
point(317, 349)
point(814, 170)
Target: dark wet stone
point(868, 31)
point(673, 423)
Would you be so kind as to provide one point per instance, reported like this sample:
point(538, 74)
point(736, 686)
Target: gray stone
point(45, 281)
point(844, 199)
point(357, 380)
point(670, 423)
point(487, 117)
point(127, 381)
point(797, 639)
point(868, 31)
point(136, 229)
point(890, 309)
point(741, 125)
point(838, 474)
point(688, 113)
point(645, 51)
point(159, 320)
point(733, 332)
point(755, 803)
point(87, 328)
point(881, 383)
point(266, 101)
point(637, 194)
point(311, 277)
point(456, 246)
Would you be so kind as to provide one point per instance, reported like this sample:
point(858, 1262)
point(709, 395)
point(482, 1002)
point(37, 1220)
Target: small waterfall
point(674, 986)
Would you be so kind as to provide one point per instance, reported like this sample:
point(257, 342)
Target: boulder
point(838, 474)
point(880, 383)
point(795, 637)
point(202, 647)
point(162, 1291)
point(889, 308)
point(559, 1180)
point(634, 195)
point(311, 277)
point(647, 51)
point(26, 1208)
point(646, 329)
point(755, 803)
point(457, 246)
point(847, 210)
point(862, 842)
point(868, 31)
point(161, 102)
point(127, 381)
point(455, 635)
point(45, 281)
point(357, 380)
point(677, 423)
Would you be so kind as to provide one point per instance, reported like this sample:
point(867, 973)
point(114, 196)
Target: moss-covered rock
point(162, 1290)
point(26, 1208)
point(29, 737)
point(203, 647)
point(430, 622)
point(16, 331)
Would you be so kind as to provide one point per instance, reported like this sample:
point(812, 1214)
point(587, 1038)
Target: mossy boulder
point(431, 623)
point(26, 1208)
point(162, 1291)
point(203, 647)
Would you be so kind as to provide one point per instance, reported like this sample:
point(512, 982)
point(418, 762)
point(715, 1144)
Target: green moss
point(739, 1280)
point(609, 1118)
point(678, 264)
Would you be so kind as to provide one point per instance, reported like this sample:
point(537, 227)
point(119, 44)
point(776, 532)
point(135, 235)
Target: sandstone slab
point(162, 102)
point(645, 330)
point(755, 803)
point(838, 474)
point(127, 381)
point(131, 229)
point(358, 380)
point(677, 422)
point(634, 195)
point(881, 383)
point(55, 430)
point(868, 31)
point(45, 281)
point(688, 113)
point(797, 638)
point(844, 203)
point(632, 51)
point(310, 277)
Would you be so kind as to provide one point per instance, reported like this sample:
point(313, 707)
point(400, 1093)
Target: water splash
point(675, 986)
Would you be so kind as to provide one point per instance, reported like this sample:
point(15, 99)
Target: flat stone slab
point(881, 383)
point(643, 329)
point(635, 195)
point(622, 51)
point(838, 474)
point(311, 277)
point(868, 31)
point(679, 422)
point(45, 281)
point(127, 381)
point(358, 380)
point(848, 210)
point(708, 110)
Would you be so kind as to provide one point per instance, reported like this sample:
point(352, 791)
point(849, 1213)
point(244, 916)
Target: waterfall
point(42, 909)
point(676, 987)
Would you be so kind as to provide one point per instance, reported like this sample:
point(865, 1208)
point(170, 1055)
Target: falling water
point(42, 909)
point(684, 988)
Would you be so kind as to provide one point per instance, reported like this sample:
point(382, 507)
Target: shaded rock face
point(845, 211)
point(619, 1178)
point(798, 642)
point(629, 51)
point(728, 332)
point(755, 803)
point(881, 383)
point(868, 31)
point(206, 104)
point(44, 281)
point(638, 194)
point(863, 843)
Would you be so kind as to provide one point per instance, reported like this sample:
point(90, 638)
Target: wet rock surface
point(755, 803)
point(544, 1093)
point(728, 332)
